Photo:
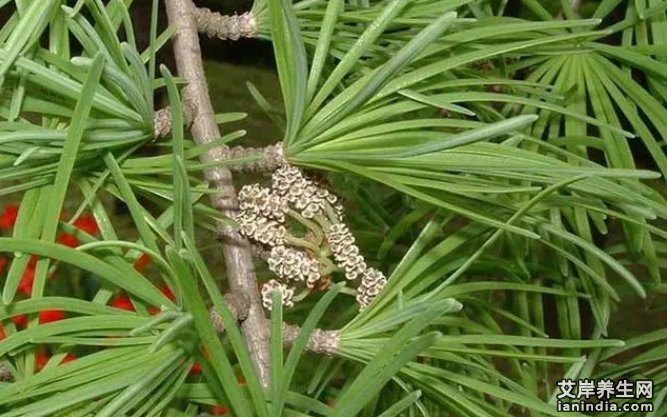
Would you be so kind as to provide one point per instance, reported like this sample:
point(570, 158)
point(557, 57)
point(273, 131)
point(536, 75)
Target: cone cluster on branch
point(271, 287)
point(345, 252)
point(292, 264)
point(276, 217)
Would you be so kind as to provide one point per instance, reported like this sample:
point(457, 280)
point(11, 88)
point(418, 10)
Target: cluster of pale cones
point(301, 224)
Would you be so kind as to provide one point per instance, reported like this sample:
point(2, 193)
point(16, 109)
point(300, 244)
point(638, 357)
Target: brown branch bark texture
point(199, 113)
point(321, 342)
point(248, 159)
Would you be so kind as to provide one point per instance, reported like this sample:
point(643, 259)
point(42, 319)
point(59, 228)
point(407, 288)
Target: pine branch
point(199, 113)
point(321, 342)
point(162, 122)
point(233, 27)
point(252, 159)
point(256, 160)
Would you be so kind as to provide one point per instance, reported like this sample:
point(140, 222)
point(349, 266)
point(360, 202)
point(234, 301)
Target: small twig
point(162, 122)
point(233, 27)
point(250, 159)
point(321, 342)
point(259, 160)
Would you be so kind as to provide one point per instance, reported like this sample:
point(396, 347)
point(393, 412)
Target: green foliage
point(481, 158)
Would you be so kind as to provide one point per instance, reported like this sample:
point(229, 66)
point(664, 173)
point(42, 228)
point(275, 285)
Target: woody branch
point(199, 113)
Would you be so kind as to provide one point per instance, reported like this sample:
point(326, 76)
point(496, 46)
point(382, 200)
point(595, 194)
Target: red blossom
point(142, 262)
point(28, 278)
point(3, 264)
point(41, 359)
point(20, 321)
point(68, 358)
point(2, 333)
point(219, 410)
point(167, 293)
point(49, 316)
point(68, 240)
point(8, 216)
point(196, 369)
point(87, 224)
point(122, 302)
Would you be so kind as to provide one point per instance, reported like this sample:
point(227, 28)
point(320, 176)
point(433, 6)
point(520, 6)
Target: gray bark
point(200, 116)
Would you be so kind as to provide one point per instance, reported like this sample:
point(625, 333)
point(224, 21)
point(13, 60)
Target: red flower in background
point(87, 224)
point(41, 359)
point(219, 410)
point(3, 264)
point(142, 262)
point(49, 316)
point(196, 369)
point(27, 280)
point(167, 293)
point(122, 302)
point(68, 240)
point(20, 321)
point(8, 216)
point(28, 277)
point(2, 333)
point(68, 358)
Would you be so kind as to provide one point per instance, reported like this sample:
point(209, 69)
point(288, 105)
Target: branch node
point(238, 304)
point(321, 342)
point(162, 122)
point(270, 158)
point(216, 25)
